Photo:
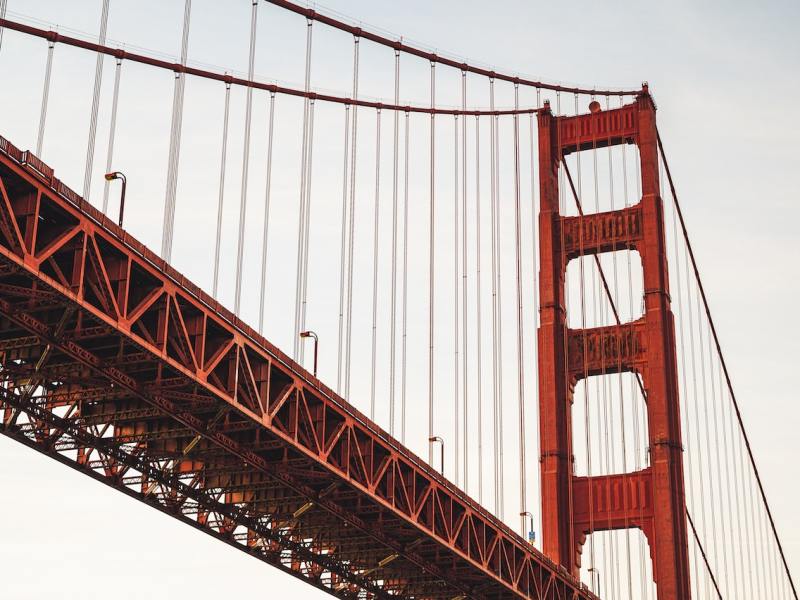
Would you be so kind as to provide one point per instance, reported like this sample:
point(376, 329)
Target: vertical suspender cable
point(626, 574)
point(763, 563)
point(343, 251)
point(3, 6)
point(98, 79)
point(307, 222)
point(716, 399)
point(221, 196)
point(265, 232)
point(405, 286)
point(752, 572)
point(637, 455)
point(500, 436)
point(734, 511)
point(352, 222)
point(248, 116)
point(726, 373)
point(175, 140)
point(696, 401)
point(520, 329)
point(493, 218)
point(612, 562)
point(707, 434)
point(48, 69)
point(393, 310)
point(634, 394)
point(112, 130)
point(705, 354)
point(478, 352)
point(496, 369)
point(375, 246)
point(534, 279)
point(456, 424)
point(464, 345)
point(297, 352)
point(431, 265)
point(584, 354)
point(605, 430)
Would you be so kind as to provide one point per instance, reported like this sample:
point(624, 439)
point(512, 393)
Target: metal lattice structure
point(116, 365)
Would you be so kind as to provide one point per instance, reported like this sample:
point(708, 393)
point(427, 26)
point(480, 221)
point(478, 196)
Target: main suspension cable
point(242, 81)
point(728, 382)
point(311, 13)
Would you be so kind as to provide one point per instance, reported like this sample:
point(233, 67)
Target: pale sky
point(724, 76)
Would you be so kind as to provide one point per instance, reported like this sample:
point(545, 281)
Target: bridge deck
point(115, 364)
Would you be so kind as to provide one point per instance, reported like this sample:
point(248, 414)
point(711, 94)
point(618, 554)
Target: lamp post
point(118, 175)
point(531, 532)
point(433, 440)
point(311, 334)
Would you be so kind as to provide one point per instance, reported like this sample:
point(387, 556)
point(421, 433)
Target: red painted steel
point(115, 364)
point(652, 499)
point(433, 57)
point(119, 53)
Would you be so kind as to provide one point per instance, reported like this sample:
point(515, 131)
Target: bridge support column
point(652, 499)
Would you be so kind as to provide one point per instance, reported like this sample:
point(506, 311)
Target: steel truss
point(114, 364)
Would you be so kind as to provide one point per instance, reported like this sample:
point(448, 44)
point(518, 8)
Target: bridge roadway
point(114, 364)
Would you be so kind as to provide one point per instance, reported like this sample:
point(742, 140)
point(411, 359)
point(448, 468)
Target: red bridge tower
point(653, 498)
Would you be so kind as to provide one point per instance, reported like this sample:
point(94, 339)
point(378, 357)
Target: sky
point(724, 76)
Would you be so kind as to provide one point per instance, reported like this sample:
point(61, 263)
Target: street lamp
point(112, 177)
point(311, 334)
point(594, 571)
point(531, 531)
point(433, 440)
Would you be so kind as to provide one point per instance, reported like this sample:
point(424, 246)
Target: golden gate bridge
point(462, 242)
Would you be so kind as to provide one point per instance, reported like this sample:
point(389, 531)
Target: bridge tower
point(651, 499)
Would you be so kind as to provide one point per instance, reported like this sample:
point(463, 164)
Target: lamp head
point(113, 176)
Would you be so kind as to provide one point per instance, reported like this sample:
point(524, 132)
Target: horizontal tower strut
point(652, 499)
